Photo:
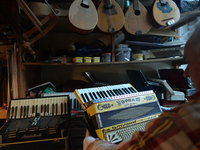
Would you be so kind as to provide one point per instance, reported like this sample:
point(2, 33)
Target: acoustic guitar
point(165, 13)
point(137, 19)
point(110, 16)
point(82, 16)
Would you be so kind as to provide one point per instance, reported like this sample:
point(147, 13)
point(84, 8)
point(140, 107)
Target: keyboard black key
point(45, 109)
point(95, 95)
point(125, 90)
point(84, 99)
point(27, 111)
point(33, 109)
point(99, 95)
point(12, 113)
point(132, 90)
point(116, 92)
point(86, 96)
point(109, 93)
point(65, 106)
point(56, 108)
point(41, 108)
point(61, 108)
point(16, 110)
point(122, 92)
point(112, 92)
point(129, 92)
point(105, 94)
point(52, 109)
point(36, 110)
point(24, 112)
point(21, 111)
point(102, 94)
point(91, 96)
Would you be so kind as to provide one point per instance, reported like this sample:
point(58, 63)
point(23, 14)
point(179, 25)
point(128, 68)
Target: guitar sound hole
point(137, 12)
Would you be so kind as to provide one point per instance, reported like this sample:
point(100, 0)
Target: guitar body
point(165, 15)
point(137, 22)
point(82, 19)
point(110, 18)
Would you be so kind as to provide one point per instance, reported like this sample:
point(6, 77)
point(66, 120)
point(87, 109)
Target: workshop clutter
point(6, 35)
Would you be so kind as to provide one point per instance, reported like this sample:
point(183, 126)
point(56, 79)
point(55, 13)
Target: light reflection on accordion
point(118, 117)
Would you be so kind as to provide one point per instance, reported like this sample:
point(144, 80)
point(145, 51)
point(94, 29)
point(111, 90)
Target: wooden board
point(165, 32)
point(3, 113)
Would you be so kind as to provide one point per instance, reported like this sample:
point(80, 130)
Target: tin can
point(106, 57)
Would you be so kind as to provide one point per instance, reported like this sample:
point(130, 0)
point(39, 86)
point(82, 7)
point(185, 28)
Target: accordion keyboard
point(38, 107)
point(88, 94)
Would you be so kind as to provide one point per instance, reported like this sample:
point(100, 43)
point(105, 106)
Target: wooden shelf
point(173, 60)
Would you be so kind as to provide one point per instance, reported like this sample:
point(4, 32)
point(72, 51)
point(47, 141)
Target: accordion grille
point(124, 133)
point(25, 124)
point(127, 132)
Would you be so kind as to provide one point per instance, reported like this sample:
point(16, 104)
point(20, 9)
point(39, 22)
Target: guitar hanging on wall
point(110, 16)
point(82, 16)
point(137, 19)
point(165, 13)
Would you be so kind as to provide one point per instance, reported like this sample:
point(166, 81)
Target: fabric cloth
point(176, 129)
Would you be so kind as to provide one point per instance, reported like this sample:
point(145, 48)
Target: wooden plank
point(113, 47)
point(14, 73)
point(26, 65)
point(185, 18)
point(166, 32)
point(3, 113)
point(20, 80)
point(30, 14)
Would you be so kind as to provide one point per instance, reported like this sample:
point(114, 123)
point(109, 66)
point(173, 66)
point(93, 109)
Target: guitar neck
point(136, 5)
point(107, 4)
point(163, 2)
point(85, 4)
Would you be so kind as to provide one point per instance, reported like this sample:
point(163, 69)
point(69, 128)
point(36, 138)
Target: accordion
point(117, 117)
point(36, 120)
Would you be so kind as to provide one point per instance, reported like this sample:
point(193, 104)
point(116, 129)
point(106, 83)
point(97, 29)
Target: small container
point(78, 59)
point(106, 57)
point(122, 45)
point(95, 59)
point(63, 60)
point(87, 59)
point(123, 54)
point(137, 56)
